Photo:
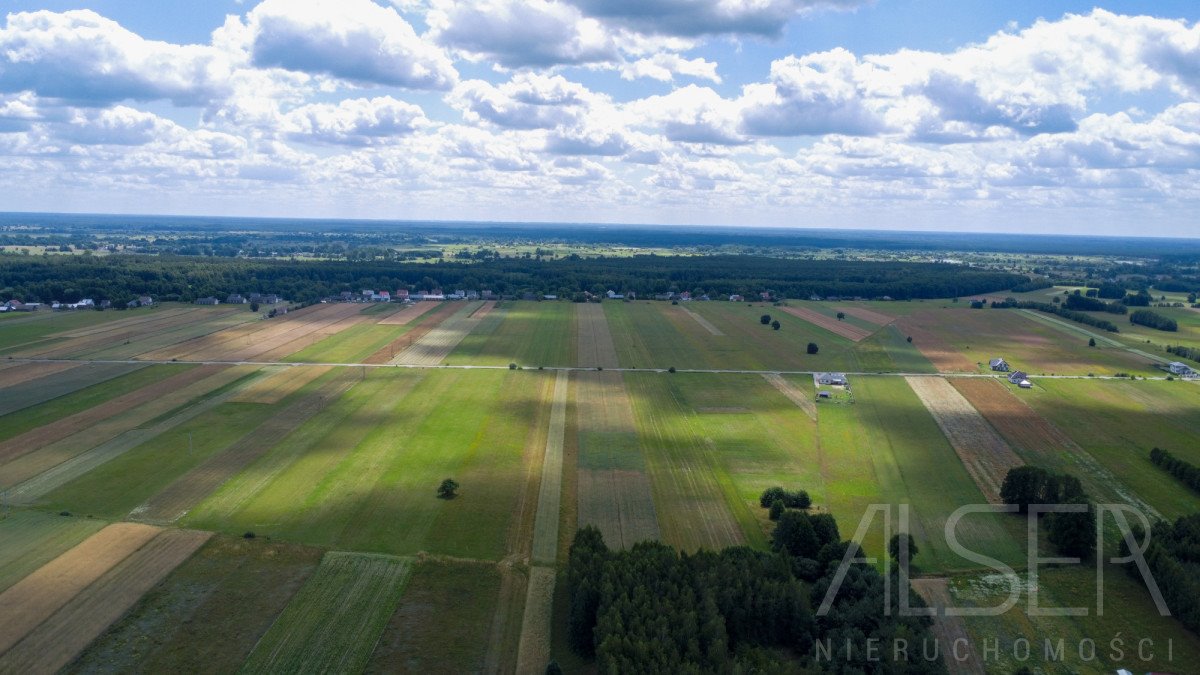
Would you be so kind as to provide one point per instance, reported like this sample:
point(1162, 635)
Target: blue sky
point(909, 114)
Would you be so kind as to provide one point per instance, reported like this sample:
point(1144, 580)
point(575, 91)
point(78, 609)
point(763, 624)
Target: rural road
point(713, 371)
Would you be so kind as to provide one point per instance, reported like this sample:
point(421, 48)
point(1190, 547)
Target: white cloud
point(520, 33)
point(354, 40)
point(705, 17)
point(691, 114)
point(525, 102)
point(665, 66)
point(82, 57)
point(812, 95)
point(357, 121)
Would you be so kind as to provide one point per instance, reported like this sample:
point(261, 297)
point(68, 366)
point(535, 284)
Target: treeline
point(1033, 285)
point(651, 609)
point(1072, 533)
point(1151, 319)
point(118, 277)
point(1173, 556)
point(1083, 303)
point(1078, 317)
point(1189, 353)
point(1186, 472)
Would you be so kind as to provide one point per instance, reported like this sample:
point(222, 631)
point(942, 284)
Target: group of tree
point(1050, 308)
point(1189, 353)
point(651, 609)
point(1082, 303)
point(1152, 319)
point(1173, 557)
point(120, 276)
point(1186, 472)
point(766, 320)
point(1073, 533)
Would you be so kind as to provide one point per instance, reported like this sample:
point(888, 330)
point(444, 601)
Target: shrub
point(812, 348)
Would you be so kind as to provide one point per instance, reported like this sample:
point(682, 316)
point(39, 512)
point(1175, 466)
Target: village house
point(235, 299)
point(145, 301)
point(736, 298)
point(208, 301)
point(999, 365)
point(832, 379)
point(1020, 378)
point(1181, 369)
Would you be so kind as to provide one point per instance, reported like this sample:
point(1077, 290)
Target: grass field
point(31, 393)
point(208, 614)
point(529, 334)
point(32, 539)
point(333, 623)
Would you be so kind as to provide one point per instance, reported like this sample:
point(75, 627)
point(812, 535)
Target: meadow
point(272, 511)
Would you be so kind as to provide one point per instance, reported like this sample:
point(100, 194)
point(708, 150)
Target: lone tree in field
point(254, 307)
point(841, 315)
point(764, 319)
point(910, 339)
point(812, 348)
point(1091, 342)
point(447, 489)
point(775, 325)
point(897, 541)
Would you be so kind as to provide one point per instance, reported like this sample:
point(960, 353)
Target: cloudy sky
point(1023, 116)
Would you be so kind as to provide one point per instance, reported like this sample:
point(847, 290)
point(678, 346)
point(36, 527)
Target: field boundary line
point(793, 393)
point(705, 323)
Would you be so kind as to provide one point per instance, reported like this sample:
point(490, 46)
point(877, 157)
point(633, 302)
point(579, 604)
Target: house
point(488, 295)
point(549, 297)
point(736, 298)
point(472, 295)
point(664, 296)
point(208, 301)
point(145, 301)
point(401, 294)
point(765, 295)
point(235, 299)
point(1177, 368)
point(685, 296)
point(86, 303)
point(1017, 376)
point(832, 379)
point(14, 305)
point(132, 304)
point(999, 365)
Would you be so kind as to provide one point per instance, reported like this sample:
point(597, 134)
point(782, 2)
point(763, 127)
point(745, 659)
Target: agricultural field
point(239, 493)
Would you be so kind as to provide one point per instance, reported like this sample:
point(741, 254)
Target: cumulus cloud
point(526, 102)
point(82, 57)
point(691, 114)
point(665, 66)
point(354, 40)
point(357, 121)
point(705, 17)
point(520, 33)
point(811, 95)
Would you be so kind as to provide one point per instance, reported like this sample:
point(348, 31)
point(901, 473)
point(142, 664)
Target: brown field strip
point(32, 600)
point(803, 401)
point(53, 464)
point(64, 635)
point(1024, 428)
point(595, 346)
point(397, 346)
point(483, 310)
point(848, 331)
point(405, 316)
point(948, 630)
point(221, 344)
point(310, 338)
point(24, 372)
point(122, 324)
point(620, 504)
point(117, 332)
point(277, 386)
point(934, 348)
point(870, 316)
point(174, 501)
point(983, 452)
point(433, 347)
point(704, 323)
point(42, 436)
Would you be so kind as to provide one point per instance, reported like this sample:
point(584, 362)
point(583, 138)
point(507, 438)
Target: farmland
point(259, 494)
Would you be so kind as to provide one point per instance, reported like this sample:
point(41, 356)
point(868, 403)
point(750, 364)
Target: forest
point(121, 277)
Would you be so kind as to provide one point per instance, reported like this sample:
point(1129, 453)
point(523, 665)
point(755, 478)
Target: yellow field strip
point(705, 323)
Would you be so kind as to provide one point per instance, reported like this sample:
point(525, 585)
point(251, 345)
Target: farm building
point(235, 299)
point(1177, 368)
point(832, 379)
point(1020, 378)
point(208, 301)
point(999, 365)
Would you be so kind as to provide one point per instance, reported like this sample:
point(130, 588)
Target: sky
point(1023, 116)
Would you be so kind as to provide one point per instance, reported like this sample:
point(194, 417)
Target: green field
point(351, 345)
point(529, 334)
point(334, 622)
point(30, 539)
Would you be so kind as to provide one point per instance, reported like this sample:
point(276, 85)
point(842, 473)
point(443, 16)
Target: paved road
point(715, 371)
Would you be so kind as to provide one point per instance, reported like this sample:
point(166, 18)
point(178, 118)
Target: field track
point(803, 401)
point(983, 452)
point(433, 347)
point(29, 602)
point(191, 488)
point(59, 639)
point(406, 315)
point(704, 323)
point(534, 648)
point(868, 315)
point(333, 623)
point(949, 629)
point(88, 419)
point(934, 348)
point(595, 346)
point(848, 331)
